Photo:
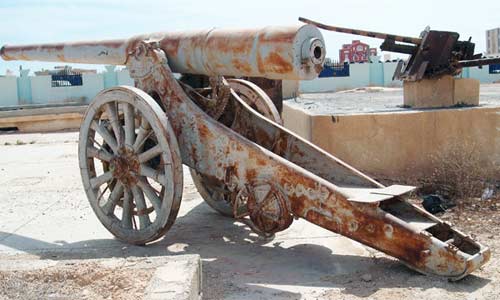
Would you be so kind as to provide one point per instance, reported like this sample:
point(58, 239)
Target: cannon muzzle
point(295, 52)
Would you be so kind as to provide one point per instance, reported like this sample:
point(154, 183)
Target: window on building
point(65, 79)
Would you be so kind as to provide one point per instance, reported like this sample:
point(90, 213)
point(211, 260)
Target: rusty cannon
point(245, 164)
point(433, 54)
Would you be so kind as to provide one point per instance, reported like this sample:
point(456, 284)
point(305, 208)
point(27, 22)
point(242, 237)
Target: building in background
point(493, 41)
point(65, 70)
point(356, 52)
point(64, 76)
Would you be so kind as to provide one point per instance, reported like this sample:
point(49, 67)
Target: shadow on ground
point(237, 262)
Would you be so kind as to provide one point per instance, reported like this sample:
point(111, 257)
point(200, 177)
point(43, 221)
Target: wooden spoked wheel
point(130, 165)
point(215, 194)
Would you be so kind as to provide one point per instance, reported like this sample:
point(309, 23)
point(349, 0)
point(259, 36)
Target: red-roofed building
point(356, 52)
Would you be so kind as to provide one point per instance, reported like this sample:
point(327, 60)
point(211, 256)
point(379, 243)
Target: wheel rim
point(216, 195)
point(254, 96)
point(135, 190)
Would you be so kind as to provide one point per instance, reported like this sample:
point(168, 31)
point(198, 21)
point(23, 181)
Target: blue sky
point(32, 21)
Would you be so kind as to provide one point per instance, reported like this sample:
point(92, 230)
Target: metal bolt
point(425, 253)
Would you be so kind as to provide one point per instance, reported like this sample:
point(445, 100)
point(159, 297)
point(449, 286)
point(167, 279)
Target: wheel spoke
point(98, 200)
point(92, 139)
point(140, 204)
point(142, 135)
point(115, 195)
point(112, 112)
point(126, 210)
point(101, 179)
point(151, 194)
point(128, 111)
point(149, 154)
point(106, 135)
point(222, 190)
point(100, 154)
point(152, 173)
point(266, 196)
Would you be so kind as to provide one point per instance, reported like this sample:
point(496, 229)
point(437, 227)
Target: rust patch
point(242, 66)
point(204, 132)
point(285, 38)
point(61, 57)
point(170, 46)
point(51, 47)
point(260, 64)
point(318, 68)
point(229, 46)
point(188, 62)
point(278, 64)
point(125, 166)
point(238, 44)
point(22, 48)
point(22, 56)
point(115, 44)
point(194, 156)
point(218, 66)
point(251, 174)
point(404, 245)
point(261, 162)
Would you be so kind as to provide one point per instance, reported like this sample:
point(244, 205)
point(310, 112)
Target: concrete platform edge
point(179, 279)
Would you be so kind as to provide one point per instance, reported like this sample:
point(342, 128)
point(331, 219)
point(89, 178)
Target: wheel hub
point(125, 166)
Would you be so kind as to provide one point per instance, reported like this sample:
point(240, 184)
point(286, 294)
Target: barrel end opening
point(2, 52)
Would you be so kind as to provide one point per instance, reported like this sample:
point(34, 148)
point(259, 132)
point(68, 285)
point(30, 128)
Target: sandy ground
point(84, 281)
point(45, 215)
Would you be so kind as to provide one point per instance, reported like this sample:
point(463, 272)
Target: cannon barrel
point(294, 52)
point(111, 52)
point(478, 62)
point(372, 34)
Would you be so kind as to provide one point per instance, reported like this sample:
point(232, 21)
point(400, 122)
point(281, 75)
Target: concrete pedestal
point(400, 144)
point(445, 91)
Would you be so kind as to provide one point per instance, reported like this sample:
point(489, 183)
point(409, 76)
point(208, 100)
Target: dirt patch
point(75, 281)
point(481, 218)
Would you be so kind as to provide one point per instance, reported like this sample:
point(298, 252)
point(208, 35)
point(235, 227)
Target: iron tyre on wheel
point(130, 165)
